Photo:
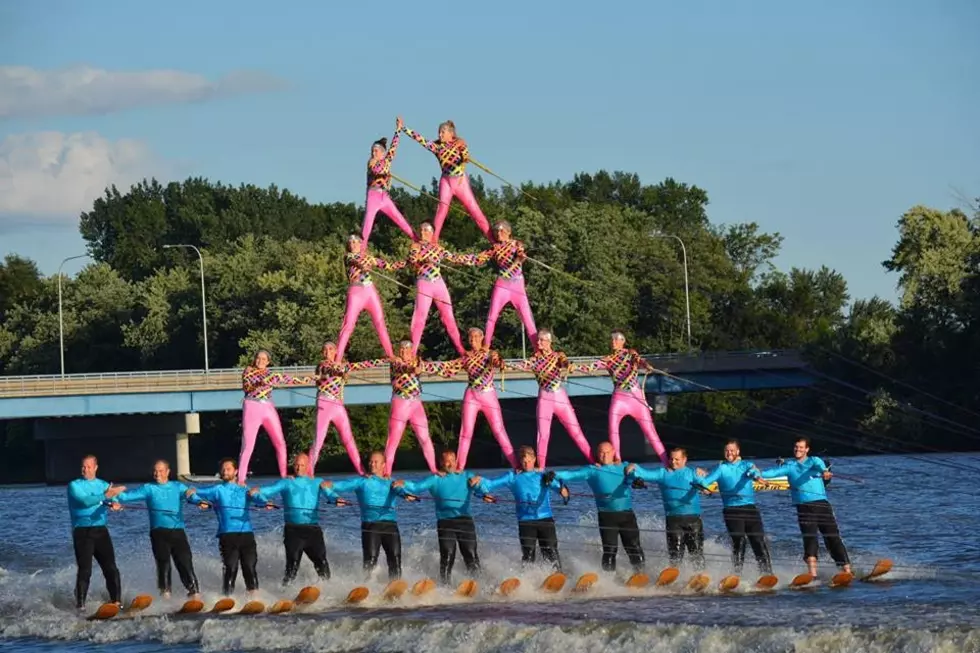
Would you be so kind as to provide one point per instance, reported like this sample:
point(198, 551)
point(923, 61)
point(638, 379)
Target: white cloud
point(81, 90)
point(50, 177)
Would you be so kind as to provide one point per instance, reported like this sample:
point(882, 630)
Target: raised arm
point(421, 140)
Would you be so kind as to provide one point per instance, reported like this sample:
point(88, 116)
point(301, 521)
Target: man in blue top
point(535, 521)
point(807, 476)
point(236, 540)
point(88, 509)
point(454, 519)
point(301, 534)
point(614, 501)
point(742, 518)
point(682, 504)
point(165, 502)
point(379, 528)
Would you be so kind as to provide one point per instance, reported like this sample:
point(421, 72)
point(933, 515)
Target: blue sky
point(823, 121)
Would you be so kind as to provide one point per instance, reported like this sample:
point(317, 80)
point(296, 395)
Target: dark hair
point(804, 440)
point(523, 449)
point(735, 442)
point(680, 450)
point(221, 463)
point(383, 142)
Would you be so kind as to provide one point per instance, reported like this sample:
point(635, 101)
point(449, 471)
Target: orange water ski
point(191, 606)
point(698, 582)
point(105, 611)
point(395, 589)
point(881, 568)
point(223, 605)
point(766, 582)
point(467, 588)
point(728, 583)
point(585, 582)
point(358, 594)
point(424, 586)
point(139, 602)
point(252, 607)
point(638, 580)
point(307, 595)
point(279, 607)
point(554, 582)
point(843, 579)
point(668, 576)
point(509, 586)
point(801, 580)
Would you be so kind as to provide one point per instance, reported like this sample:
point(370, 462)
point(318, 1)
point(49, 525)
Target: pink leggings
point(332, 411)
point(557, 403)
point(408, 411)
point(425, 292)
point(460, 188)
point(256, 414)
point(510, 291)
point(363, 298)
point(379, 200)
point(634, 404)
point(474, 403)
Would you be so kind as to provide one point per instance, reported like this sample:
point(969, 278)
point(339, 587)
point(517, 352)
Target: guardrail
point(230, 379)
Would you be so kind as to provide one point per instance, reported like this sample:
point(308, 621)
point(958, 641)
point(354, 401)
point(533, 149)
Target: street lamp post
point(687, 294)
point(204, 310)
point(61, 319)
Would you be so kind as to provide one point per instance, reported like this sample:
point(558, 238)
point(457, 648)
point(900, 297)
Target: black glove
point(547, 478)
point(639, 484)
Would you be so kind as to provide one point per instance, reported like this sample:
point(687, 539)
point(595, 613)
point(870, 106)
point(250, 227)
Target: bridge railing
point(228, 379)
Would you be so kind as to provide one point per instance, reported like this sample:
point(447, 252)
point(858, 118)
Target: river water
point(921, 512)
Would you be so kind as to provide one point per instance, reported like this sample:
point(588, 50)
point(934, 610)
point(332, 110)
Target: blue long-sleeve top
point(375, 496)
point(165, 502)
point(805, 479)
point(230, 502)
point(608, 483)
point(679, 495)
point(451, 492)
point(734, 483)
point(87, 503)
point(532, 497)
point(300, 498)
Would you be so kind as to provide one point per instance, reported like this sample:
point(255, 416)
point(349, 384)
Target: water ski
point(424, 586)
point(395, 589)
point(105, 611)
point(698, 582)
point(638, 580)
point(191, 606)
point(307, 595)
point(585, 582)
point(509, 586)
point(668, 576)
point(223, 605)
point(252, 607)
point(554, 582)
point(140, 602)
point(801, 580)
point(728, 583)
point(279, 607)
point(843, 579)
point(358, 594)
point(766, 582)
point(881, 568)
point(467, 588)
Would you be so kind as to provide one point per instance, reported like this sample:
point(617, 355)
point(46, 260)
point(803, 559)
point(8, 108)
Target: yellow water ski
point(554, 582)
point(223, 605)
point(698, 582)
point(424, 586)
point(638, 580)
point(843, 579)
point(279, 607)
point(728, 583)
point(881, 568)
point(358, 594)
point(307, 595)
point(105, 611)
point(252, 607)
point(395, 589)
point(766, 582)
point(668, 576)
point(467, 588)
point(801, 580)
point(509, 586)
point(585, 582)
point(191, 606)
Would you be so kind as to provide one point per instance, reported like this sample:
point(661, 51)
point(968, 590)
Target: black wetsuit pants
point(818, 517)
point(170, 543)
point(534, 532)
point(685, 532)
point(238, 548)
point(377, 535)
point(94, 542)
point(452, 532)
point(304, 538)
point(620, 525)
point(745, 523)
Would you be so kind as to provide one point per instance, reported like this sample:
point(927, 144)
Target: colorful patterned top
point(623, 366)
point(405, 381)
point(258, 383)
point(425, 259)
point(508, 258)
point(452, 156)
point(360, 264)
point(379, 174)
point(479, 366)
point(550, 369)
point(332, 376)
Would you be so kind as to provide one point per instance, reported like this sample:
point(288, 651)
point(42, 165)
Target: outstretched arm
point(421, 140)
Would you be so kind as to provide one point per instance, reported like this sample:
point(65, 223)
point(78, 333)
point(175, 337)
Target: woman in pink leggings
point(259, 411)
point(331, 377)
point(452, 154)
point(551, 368)
point(508, 256)
point(379, 184)
point(624, 365)
point(406, 403)
point(480, 363)
point(362, 295)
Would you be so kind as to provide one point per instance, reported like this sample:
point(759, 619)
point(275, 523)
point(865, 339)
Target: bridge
point(156, 406)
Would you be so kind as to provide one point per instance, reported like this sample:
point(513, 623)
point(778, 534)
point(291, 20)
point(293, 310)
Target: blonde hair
point(449, 124)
